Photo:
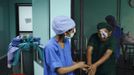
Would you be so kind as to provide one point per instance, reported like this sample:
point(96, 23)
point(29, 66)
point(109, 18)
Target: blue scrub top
point(56, 57)
point(117, 33)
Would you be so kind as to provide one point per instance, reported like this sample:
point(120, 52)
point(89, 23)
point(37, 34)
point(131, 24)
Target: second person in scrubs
point(57, 52)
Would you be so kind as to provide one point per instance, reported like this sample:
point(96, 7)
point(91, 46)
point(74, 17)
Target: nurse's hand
point(82, 65)
point(85, 69)
point(64, 70)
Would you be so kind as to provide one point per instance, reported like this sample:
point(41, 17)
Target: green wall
point(40, 26)
point(12, 16)
point(95, 12)
point(8, 22)
point(4, 27)
point(127, 17)
point(41, 19)
point(76, 15)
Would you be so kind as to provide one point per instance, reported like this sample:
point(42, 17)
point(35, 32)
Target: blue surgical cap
point(62, 24)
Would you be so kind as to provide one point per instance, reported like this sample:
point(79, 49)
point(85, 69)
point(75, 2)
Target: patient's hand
point(92, 69)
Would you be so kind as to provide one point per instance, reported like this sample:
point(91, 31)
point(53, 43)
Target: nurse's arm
point(105, 57)
point(64, 70)
point(89, 55)
point(74, 62)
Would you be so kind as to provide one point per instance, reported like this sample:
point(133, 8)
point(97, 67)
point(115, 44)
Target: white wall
point(38, 70)
point(58, 8)
point(41, 19)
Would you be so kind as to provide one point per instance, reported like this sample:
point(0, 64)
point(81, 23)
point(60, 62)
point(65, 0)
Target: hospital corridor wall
point(7, 30)
point(40, 27)
point(4, 27)
point(86, 13)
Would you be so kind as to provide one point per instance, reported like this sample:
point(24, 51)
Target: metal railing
point(37, 57)
point(2, 57)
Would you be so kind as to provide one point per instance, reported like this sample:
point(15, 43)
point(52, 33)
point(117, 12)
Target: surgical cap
point(104, 25)
point(62, 24)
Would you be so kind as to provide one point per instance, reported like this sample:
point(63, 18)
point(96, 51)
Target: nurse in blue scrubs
point(57, 52)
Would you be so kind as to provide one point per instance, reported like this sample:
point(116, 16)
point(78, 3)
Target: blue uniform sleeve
point(52, 59)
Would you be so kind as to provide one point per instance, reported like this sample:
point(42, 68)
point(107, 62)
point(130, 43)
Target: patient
point(100, 52)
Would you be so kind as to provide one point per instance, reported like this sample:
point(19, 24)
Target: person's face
point(70, 33)
point(111, 22)
point(104, 34)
